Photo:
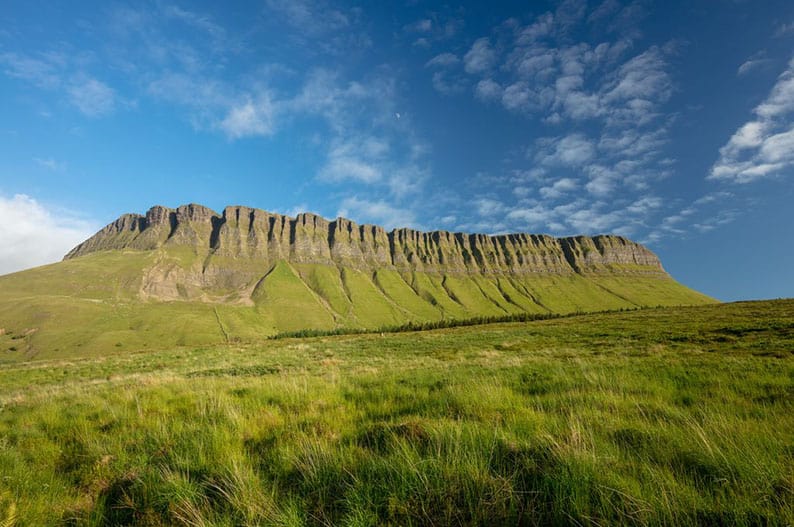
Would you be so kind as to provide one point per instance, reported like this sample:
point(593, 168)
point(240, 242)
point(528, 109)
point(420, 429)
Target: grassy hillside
point(108, 301)
point(674, 416)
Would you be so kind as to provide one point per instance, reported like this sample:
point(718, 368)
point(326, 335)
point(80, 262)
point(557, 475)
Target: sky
point(669, 122)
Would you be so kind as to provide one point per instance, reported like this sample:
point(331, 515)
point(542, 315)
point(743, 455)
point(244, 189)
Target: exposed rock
point(255, 240)
point(246, 233)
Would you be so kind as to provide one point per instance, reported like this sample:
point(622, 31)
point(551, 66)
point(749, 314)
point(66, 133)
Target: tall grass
point(658, 417)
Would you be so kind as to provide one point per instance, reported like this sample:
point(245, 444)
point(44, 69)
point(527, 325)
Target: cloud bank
point(764, 146)
point(36, 235)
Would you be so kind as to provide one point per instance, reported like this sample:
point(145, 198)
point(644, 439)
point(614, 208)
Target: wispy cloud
point(378, 212)
point(50, 164)
point(444, 79)
point(784, 29)
point(319, 26)
point(758, 60)
point(356, 160)
point(573, 150)
point(610, 96)
point(250, 118)
point(423, 25)
point(381, 152)
point(202, 22)
point(91, 96)
point(293, 211)
point(763, 146)
point(481, 57)
point(39, 234)
point(701, 215)
point(434, 28)
point(443, 60)
point(57, 72)
point(42, 72)
point(311, 16)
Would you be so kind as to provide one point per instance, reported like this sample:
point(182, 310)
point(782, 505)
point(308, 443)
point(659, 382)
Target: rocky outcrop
point(262, 238)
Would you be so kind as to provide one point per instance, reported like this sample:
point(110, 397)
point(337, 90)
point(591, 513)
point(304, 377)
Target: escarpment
point(191, 276)
point(262, 238)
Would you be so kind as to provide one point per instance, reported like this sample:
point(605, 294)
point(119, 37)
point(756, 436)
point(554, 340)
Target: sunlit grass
point(659, 417)
point(102, 303)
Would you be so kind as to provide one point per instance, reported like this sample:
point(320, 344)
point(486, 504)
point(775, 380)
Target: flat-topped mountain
point(242, 232)
point(191, 275)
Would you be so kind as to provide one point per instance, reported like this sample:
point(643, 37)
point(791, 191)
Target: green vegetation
point(435, 324)
point(674, 416)
point(144, 300)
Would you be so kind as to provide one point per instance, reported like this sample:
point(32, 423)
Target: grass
point(674, 416)
point(154, 299)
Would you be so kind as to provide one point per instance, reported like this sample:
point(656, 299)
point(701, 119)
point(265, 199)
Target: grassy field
point(107, 302)
point(673, 416)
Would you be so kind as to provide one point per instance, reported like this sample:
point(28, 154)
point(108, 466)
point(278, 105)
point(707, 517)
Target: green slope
point(104, 302)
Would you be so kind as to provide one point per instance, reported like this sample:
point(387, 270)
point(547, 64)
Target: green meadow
point(102, 303)
point(668, 416)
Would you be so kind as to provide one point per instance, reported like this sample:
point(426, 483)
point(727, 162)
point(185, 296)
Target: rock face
point(261, 239)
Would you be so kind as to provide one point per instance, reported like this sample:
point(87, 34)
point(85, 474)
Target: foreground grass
point(657, 417)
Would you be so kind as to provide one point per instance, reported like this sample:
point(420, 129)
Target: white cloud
point(216, 105)
point(339, 102)
point(92, 97)
point(368, 145)
point(522, 192)
point(33, 234)
point(572, 150)
point(541, 28)
point(488, 207)
point(610, 97)
point(444, 80)
point(488, 90)
point(570, 12)
point(406, 180)
point(763, 146)
point(480, 58)
point(378, 212)
point(447, 85)
point(293, 211)
point(249, 118)
point(532, 217)
point(758, 60)
point(601, 185)
point(357, 159)
point(443, 60)
point(559, 188)
point(350, 168)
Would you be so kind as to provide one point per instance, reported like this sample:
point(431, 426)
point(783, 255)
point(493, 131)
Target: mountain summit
point(264, 237)
point(191, 275)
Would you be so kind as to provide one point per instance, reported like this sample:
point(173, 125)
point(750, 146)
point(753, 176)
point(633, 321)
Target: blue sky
point(670, 122)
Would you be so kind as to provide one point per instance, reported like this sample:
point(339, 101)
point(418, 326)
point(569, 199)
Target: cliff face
point(190, 276)
point(261, 239)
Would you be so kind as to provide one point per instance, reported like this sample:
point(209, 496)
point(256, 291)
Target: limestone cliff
point(257, 236)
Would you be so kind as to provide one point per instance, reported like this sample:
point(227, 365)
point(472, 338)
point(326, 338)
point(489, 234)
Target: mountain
point(191, 276)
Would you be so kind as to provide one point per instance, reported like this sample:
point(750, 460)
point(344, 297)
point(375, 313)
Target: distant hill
point(191, 276)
